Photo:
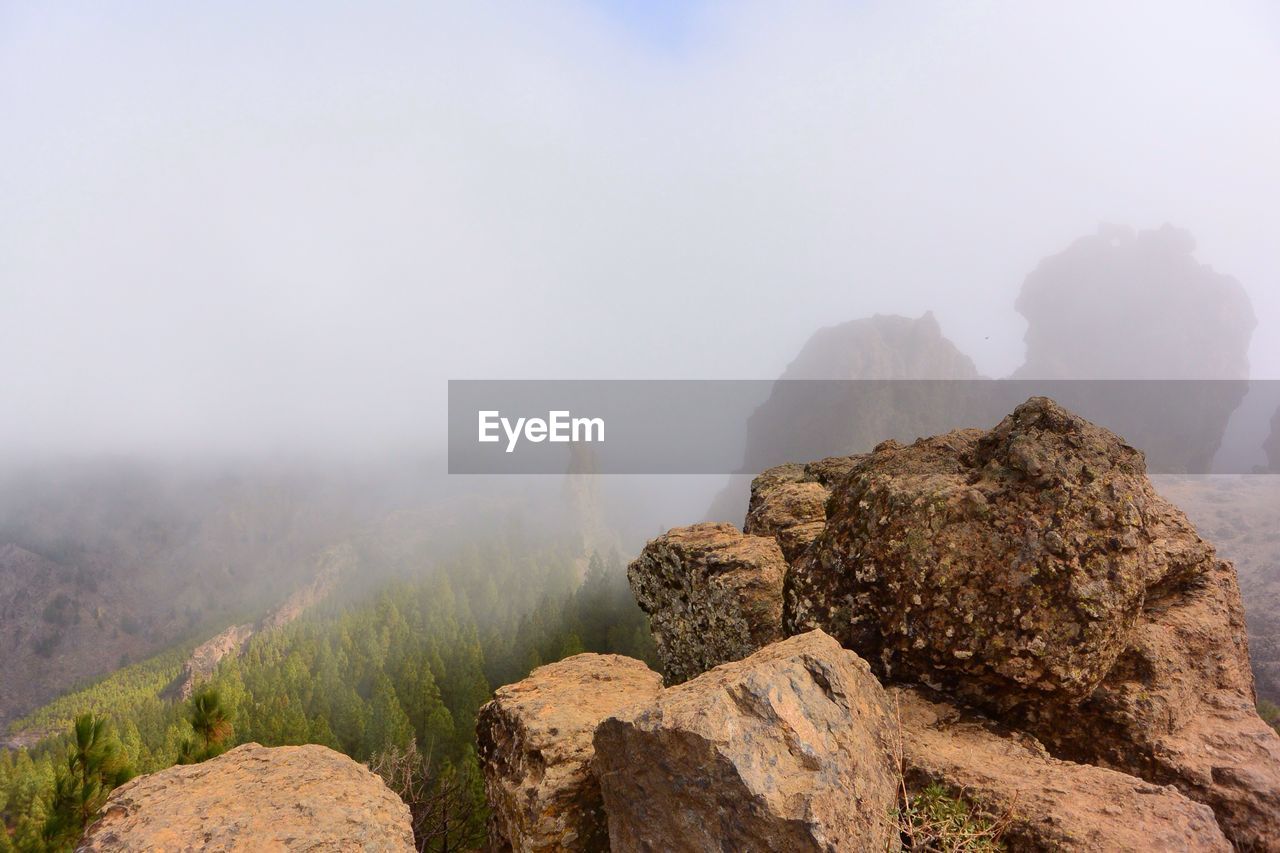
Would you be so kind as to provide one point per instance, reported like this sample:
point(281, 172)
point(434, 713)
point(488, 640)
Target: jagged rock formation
point(712, 594)
point(535, 739)
point(800, 421)
point(789, 749)
point(1122, 304)
point(1029, 570)
point(254, 798)
point(1137, 305)
point(205, 657)
point(1050, 804)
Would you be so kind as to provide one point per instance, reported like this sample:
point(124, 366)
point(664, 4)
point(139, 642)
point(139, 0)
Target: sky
point(267, 225)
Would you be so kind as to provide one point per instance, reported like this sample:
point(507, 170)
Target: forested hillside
point(375, 673)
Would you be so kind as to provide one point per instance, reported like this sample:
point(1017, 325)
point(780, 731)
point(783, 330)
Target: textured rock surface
point(535, 746)
point(1034, 571)
point(789, 749)
point(789, 502)
point(1178, 708)
point(1008, 567)
point(712, 594)
point(254, 798)
point(1051, 804)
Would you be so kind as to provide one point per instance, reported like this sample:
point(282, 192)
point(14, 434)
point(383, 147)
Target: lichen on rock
point(713, 595)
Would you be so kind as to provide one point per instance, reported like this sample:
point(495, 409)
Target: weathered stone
point(535, 745)
point(1178, 708)
point(789, 502)
point(1008, 567)
point(255, 798)
point(1046, 804)
point(1033, 571)
point(712, 594)
point(789, 749)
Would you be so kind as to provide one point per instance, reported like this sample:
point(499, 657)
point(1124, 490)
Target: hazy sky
point(265, 224)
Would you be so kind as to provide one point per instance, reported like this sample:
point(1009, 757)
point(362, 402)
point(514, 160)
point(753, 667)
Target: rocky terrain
point(1238, 514)
point(1013, 617)
point(254, 798)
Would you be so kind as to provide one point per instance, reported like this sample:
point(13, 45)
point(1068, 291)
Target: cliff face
point(1013, 617)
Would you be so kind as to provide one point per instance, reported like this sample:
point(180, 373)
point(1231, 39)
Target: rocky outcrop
point(254, 798)
point(1126, 305)
point(1066, 656)
point(233, 641)
point(1178, 708)
point(713, 595)
point(789, 502)
point(535, 743)
point(1048, 804)
point(808, 420)
point(1007, 567)
point(1032, 570)
point(205, 658)
point(1121, 304)
point(788, 749)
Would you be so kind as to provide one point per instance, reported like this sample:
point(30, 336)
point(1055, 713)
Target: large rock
point(789, 749)
point(1007, 567)
point(712, 594)
point(535, 745)
point(1033, 571)
point(789, 502)
point(1047, 804)
point(1126, 305)
point(254, 798)
point(1178, 708)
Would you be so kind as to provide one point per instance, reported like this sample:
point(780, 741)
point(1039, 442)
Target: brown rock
point(1033, 571)
point(789, 502)
point(535, 746)
point(1049, 805)
point(789, 749)
point(712, 594)
point(1006, 567)
point(1178, 708)
point(254, 798)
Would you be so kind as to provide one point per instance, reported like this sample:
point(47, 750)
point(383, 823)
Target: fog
point(238, 228)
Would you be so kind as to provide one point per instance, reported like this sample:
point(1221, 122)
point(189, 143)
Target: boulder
point(1033, 571)
point(1044, 804)
point(255, 798)
point(789, 502)
point(1008, 567)
point(713, 595)
point(789, 749)
point(535, 746)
